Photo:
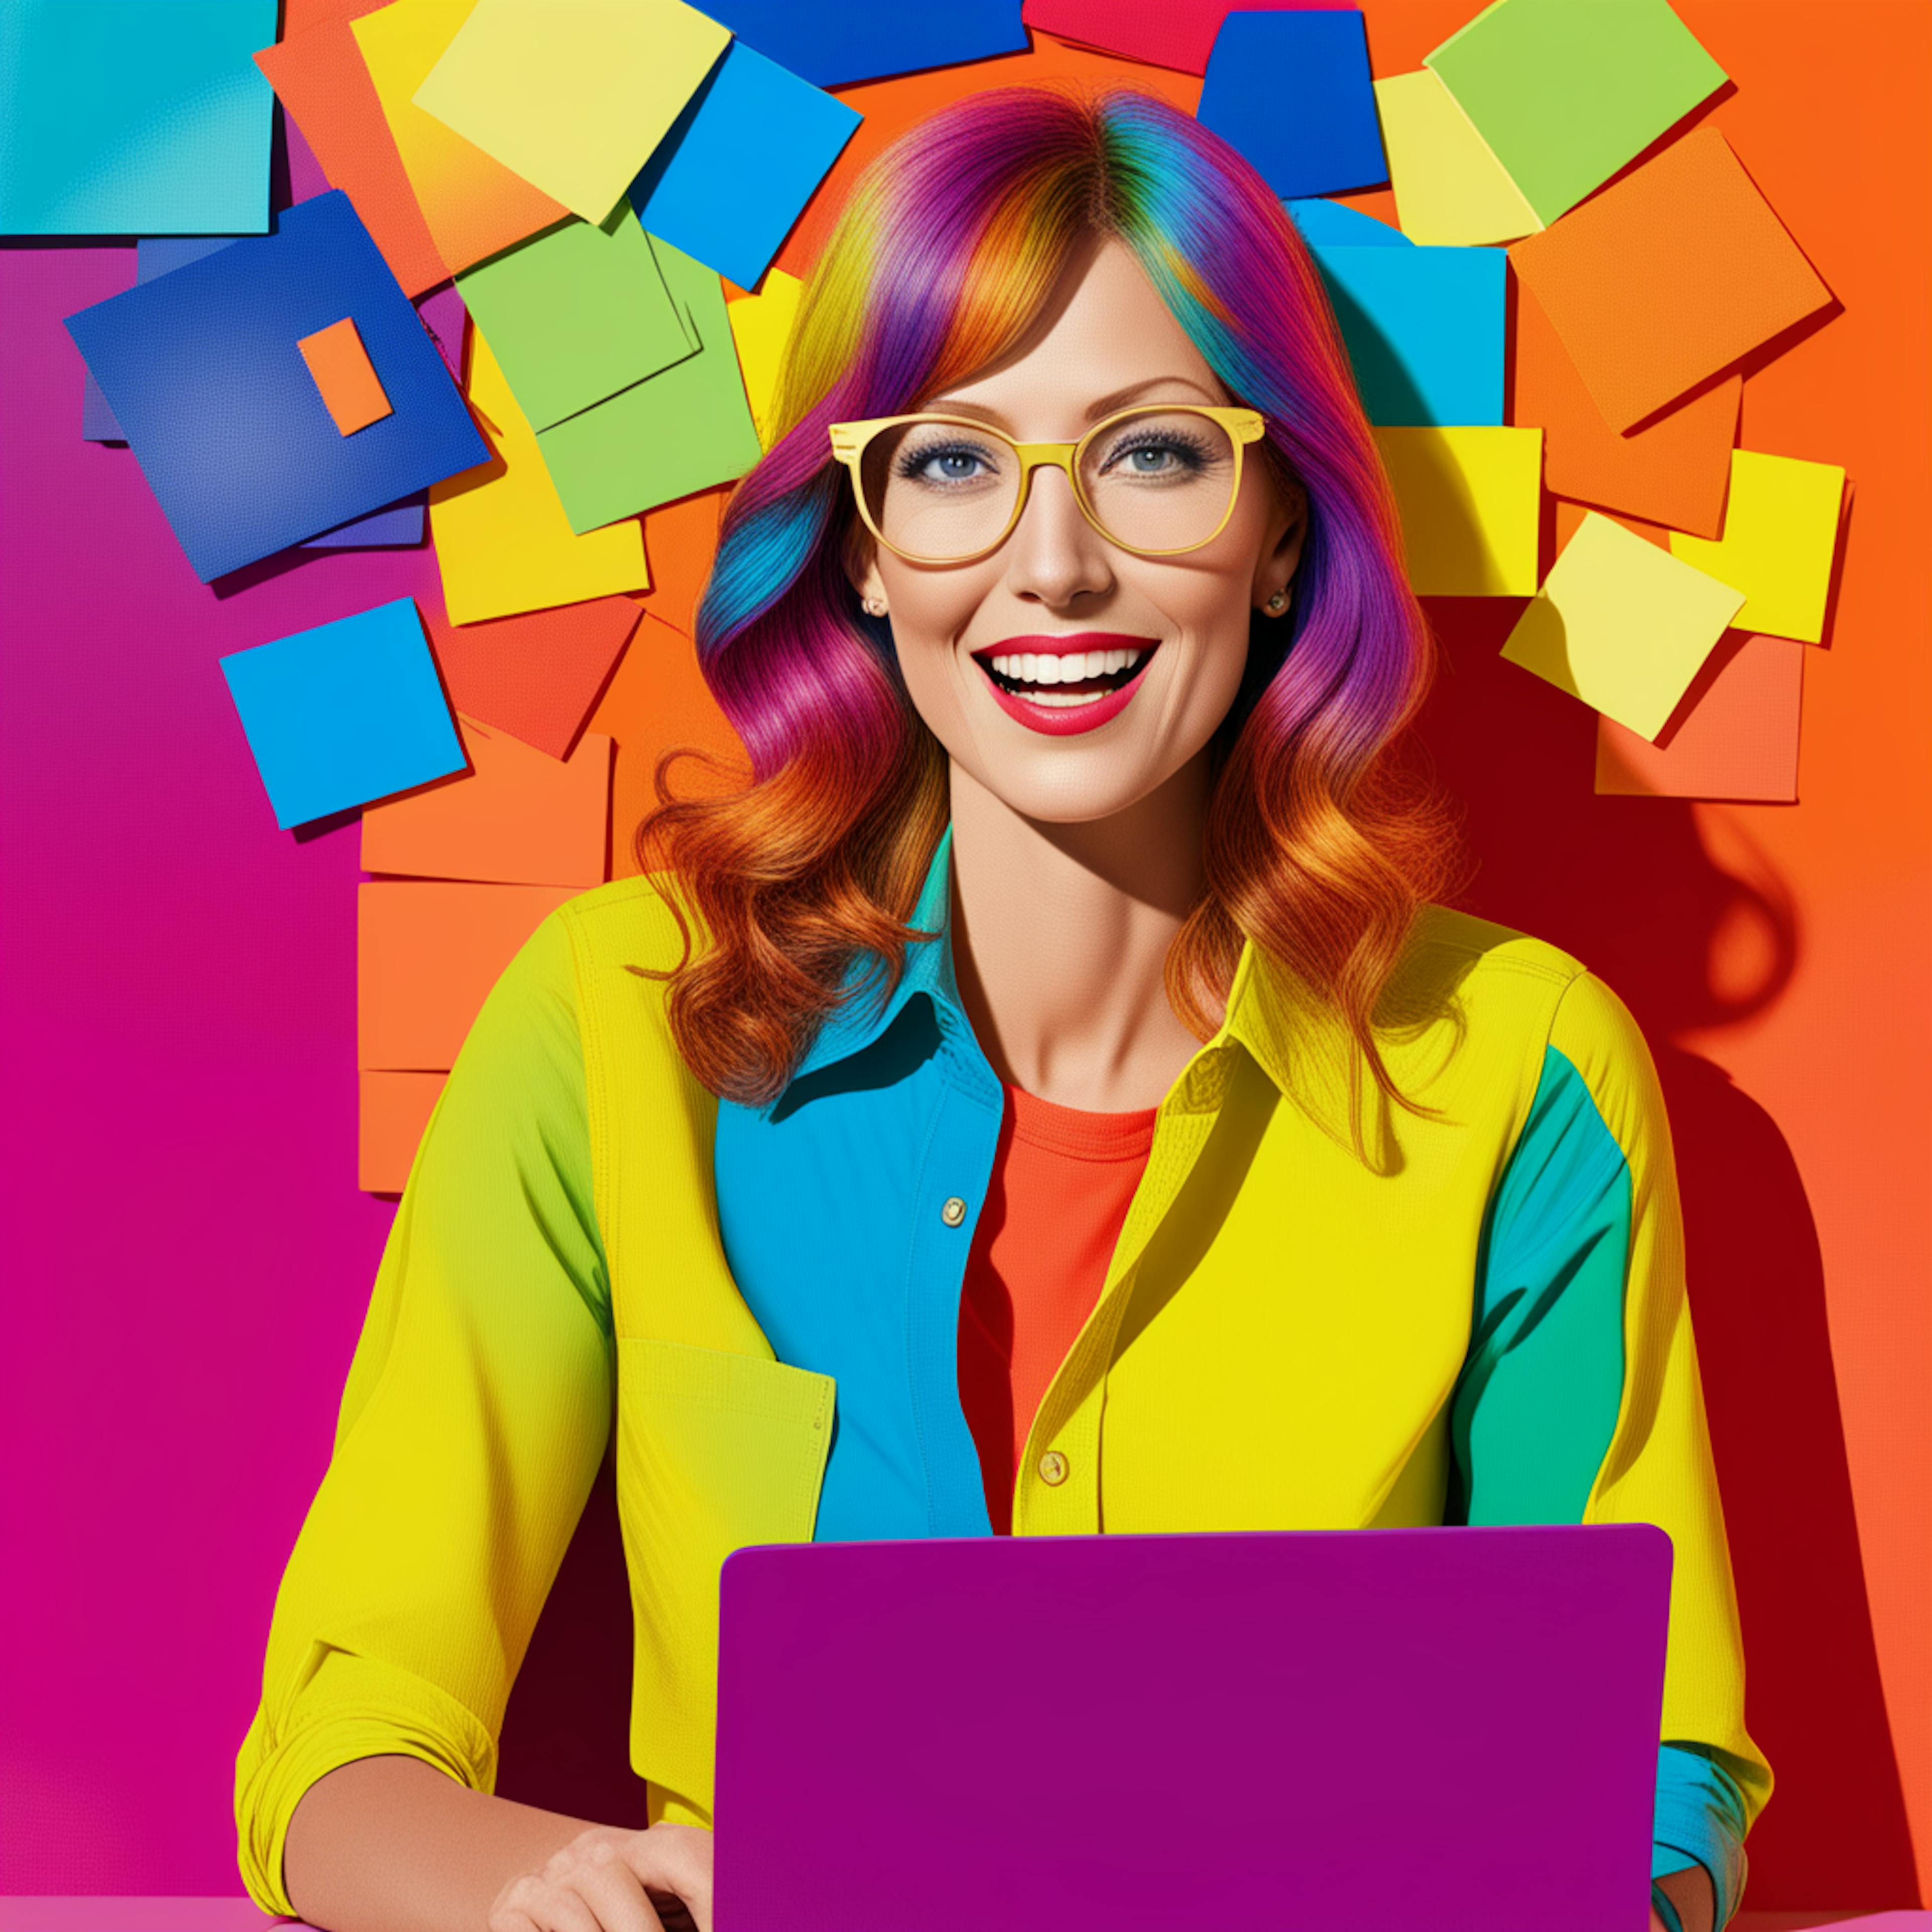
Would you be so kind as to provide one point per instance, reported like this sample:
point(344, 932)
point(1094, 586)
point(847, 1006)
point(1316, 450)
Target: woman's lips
point(1063, 721)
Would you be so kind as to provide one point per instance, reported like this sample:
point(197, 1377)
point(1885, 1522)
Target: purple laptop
point(1394, 1730)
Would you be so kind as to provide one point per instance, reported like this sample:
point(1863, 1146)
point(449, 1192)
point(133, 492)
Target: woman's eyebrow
point(1100, 406)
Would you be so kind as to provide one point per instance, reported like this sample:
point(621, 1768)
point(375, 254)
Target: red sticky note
point(351, 391)
point(1670, 275)
point(1166, 33)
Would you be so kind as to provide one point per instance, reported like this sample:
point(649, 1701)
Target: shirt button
point(954, 1212)
point(1053, 1468)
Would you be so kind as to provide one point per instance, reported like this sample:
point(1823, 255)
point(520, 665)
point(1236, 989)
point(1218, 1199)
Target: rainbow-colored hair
point(947, 250)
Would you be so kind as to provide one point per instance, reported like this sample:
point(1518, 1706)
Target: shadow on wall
point(1627, 885)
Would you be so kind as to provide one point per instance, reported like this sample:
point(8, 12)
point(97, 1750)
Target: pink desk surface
point(239, 1915)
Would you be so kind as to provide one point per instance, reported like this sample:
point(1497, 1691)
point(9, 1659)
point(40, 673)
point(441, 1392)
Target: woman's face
point(1107, 342)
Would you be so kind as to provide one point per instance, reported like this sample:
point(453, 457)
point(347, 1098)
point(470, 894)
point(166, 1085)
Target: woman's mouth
point(1062, 685)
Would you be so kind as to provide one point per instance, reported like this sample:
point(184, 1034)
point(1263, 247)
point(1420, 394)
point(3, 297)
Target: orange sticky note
point(518, 817)
point(351, 391)
point(1674, 472)
point(394, 1109)
point(1673, 274)
point(318, 77)
point(1738, 736)
point(426, 954)
point(680, 542)
point(536, 676)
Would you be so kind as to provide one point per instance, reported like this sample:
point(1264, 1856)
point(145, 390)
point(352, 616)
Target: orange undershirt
point(1063, 1178)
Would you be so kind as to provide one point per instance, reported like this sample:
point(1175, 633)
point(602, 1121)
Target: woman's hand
point(609, 1880)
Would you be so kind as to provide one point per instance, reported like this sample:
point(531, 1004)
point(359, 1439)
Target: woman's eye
point(949, 463)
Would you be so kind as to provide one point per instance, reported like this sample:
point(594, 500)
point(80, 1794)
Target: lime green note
point(575, 314)
point(1566, 91)
point(684, 429)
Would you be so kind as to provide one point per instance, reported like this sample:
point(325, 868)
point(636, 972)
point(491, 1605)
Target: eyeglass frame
point(849, 441)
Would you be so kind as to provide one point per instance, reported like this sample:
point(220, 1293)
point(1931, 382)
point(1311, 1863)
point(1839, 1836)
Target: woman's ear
point(860, 558)
point(1281, 550)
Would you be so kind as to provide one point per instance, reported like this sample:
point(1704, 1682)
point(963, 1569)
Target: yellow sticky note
point(575, 95)
point(1450, 191)
point(1469, 499)
point(1623, 625)
point(760, 325)
point(1779, 538)
point(502, 541)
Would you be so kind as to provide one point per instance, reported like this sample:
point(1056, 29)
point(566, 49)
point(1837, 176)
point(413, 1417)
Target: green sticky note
point(684, 429)
point(575, 314)
point(1566, 91)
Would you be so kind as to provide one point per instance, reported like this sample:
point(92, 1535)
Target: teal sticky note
point(739, 164)
point(134, 117)
point(1424, 328)
point(685, 429)
point(345, 713)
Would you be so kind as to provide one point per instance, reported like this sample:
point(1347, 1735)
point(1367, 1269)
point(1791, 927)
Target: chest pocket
point(716, 1450)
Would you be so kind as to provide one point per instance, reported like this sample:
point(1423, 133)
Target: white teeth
point(1116, 661)
point(1029, 668)
point(1037, 668)
point(1064, 700)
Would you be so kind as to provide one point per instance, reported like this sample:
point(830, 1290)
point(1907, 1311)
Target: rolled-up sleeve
point(476, 1413)
point(1581, 1402)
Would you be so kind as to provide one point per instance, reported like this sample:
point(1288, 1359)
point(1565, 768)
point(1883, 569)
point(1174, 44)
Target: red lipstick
point(1103, 698)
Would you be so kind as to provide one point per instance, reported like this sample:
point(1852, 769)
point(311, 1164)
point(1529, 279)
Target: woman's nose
point(1053, 552)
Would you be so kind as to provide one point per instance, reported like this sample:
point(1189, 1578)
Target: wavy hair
point(947, 251)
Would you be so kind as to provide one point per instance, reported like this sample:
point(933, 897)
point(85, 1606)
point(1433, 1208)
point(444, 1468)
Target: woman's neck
point(1059, 934)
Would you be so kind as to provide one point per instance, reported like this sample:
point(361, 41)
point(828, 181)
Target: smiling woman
point(1050, 1099)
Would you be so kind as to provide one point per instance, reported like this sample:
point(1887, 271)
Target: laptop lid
point(1386, 1730)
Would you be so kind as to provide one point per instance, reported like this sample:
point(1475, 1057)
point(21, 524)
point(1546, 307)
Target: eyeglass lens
point(941, 490)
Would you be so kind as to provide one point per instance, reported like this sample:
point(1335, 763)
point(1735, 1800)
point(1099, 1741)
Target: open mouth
point(1046, 681)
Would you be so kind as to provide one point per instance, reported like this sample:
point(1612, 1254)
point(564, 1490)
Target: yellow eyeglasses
point(947, 489)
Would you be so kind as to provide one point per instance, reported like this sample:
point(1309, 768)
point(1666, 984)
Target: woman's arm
point(1580, 1403)
point(476, 1413)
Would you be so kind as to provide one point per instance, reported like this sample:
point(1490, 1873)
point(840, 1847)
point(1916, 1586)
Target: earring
point(873, 606)
point(1278, 603)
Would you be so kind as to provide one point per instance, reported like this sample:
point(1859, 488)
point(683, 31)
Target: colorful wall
point(190, 1255)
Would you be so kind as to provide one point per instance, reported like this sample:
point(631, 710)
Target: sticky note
point(684, 429)
point(1739, 740)
point(1667, 277)
point(833, 43)
point(351, 391)
point(1565, 94)
point(1621, 625)
point(120, 117)
point(202, 369)
point(1780, 541)
point(1674, 471)
point(760, 327)
point(657, 703)
point(320, 78)
point(1424, 329)
point(443, 314)
point(1333, 224)
point(426, 954)
point(572, 95)
point(681, 543)
point(398, 527)
point(393, 1114)
point(518, 817)
point(472, 205)
point(575, 314)
point(1291, 90)
point(345, 713)
point(730, 178)
point(1450, 188)
point(152, 257)
point(1470, 500)
point(536, 676)
point(502, 541)
point(1167, 33)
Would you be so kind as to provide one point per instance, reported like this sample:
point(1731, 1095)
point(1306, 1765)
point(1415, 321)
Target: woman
point(1061, 1014)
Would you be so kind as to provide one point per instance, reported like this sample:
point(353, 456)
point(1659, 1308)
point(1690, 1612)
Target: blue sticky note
point(201, 368)
point(134, 117)
point(1424, 328)
point(1332, 224)
point(728, 181)
point(399, 527)
point(344, 714)
point(832, 43)
point(1291, 90)
point(151, 258)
